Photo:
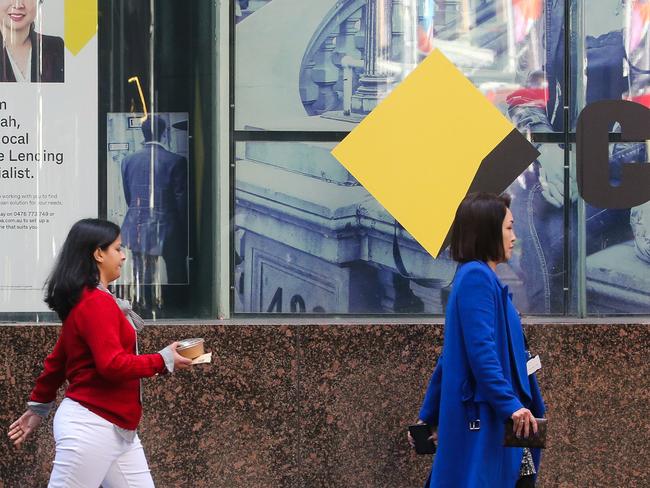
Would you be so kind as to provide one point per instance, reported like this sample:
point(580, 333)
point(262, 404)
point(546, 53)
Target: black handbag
point(533, 440)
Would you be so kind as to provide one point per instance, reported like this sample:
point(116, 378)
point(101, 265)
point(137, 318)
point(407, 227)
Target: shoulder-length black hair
point(477, 231)
point(75, 268)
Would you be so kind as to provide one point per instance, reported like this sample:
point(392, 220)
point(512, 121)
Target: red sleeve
point(98, 322)
point(53, 375)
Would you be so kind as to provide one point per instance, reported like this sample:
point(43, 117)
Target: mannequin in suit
point(155, 188)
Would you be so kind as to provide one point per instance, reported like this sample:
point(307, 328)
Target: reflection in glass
point(337, 60)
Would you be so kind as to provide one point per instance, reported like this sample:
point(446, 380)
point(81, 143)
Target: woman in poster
point(27, 56)
point(95, 424)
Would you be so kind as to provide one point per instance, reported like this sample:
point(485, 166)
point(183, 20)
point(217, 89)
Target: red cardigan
point(95, 352)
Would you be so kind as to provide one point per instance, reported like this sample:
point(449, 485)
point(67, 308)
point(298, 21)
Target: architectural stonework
point(317, 405)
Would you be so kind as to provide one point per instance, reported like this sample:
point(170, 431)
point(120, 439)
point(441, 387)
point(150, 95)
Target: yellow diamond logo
point(430, 142)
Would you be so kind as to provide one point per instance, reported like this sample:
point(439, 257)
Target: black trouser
point(526, 482)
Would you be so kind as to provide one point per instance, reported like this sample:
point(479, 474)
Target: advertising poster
point(147, 182)
point(48, 139)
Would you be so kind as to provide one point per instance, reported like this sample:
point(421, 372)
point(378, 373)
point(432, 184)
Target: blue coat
point(481, 376)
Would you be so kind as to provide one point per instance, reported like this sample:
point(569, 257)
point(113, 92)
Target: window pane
point(325, 64)
point(614, 47)
point(617, 248)
point(159, 167)
point(310, 239)
point(537, 269)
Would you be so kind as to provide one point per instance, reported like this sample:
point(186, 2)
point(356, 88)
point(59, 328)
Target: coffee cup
point(191, 348)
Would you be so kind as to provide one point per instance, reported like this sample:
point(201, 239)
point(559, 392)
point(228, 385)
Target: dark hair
point(153, 127)
point(76, 268)
point(477, 231)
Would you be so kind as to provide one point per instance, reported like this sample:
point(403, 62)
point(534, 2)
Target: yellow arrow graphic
point(80, 23)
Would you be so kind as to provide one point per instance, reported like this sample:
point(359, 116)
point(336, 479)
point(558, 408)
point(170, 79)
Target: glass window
point(310, 239)
point(307, 238)
point(613, 47)
point(324, 65)
point(616, 250)
point(125, 132)
point(157, 113)
point(609, 245)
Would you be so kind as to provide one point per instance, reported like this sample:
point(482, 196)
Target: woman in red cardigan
point(95, 425)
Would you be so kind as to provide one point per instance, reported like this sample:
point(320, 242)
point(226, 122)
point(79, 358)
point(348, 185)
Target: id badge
point(533, 364)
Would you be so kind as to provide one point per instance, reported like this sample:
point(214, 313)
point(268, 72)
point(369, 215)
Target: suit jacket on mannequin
point(155, 189)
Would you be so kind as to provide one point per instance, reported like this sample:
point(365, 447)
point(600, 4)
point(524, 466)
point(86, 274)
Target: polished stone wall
point(307, 405)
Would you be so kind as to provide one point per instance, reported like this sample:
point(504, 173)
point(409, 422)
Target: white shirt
point(157, 143)
point(18, 73)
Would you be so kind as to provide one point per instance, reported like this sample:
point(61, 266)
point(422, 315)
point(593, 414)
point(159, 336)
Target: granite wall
point(327, 406)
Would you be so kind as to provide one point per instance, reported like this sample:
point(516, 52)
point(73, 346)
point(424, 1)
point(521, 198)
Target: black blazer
point(157, 214)
point(47, 49)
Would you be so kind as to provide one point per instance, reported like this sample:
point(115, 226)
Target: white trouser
point(90, 452)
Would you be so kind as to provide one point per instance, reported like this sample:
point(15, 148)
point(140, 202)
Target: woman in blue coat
point(481, 379)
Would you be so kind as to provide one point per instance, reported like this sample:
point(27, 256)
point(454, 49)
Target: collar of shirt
point(18, 73)
point(150, 143)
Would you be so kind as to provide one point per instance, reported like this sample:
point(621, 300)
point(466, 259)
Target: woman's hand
point(410, 437)
point(21, 428)
point(180, 362)
point(523, 419)
point(433, 438)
